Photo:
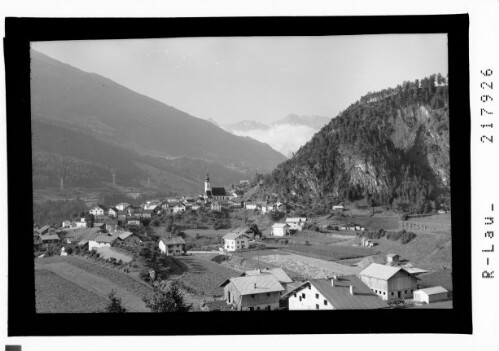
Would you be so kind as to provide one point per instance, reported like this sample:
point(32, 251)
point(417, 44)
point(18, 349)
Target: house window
point(392, 293)
point(294, 294)
point(310, 287)
point(268, 308)
point(384, 292)
point(325, 302)
point(303, 295)
point(268, 294)
point(253, 295)
point(316, 296)
point(316, 307)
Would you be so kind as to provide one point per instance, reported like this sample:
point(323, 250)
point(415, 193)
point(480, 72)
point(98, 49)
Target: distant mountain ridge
point(95, 105)
point(390, 148)
point(285, 135)
point(85, 126)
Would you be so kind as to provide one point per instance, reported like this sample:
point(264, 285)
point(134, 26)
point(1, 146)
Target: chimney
point(351, 290)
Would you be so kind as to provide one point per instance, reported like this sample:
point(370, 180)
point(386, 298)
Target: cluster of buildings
point(372, 288)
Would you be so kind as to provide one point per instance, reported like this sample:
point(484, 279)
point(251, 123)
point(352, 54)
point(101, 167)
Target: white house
point(215, 206)
point(429, 295)
point(81, 224)
point(253, 293)
point(98, 210)
point(104, 239)
point(66, 224)
point(278, 273)
point(172, 246)
point(236, 241)
point(195, 207)
point(250, 205)
point(112, 212)
point(296, 223)
point(280, 229)
point(179, 208)
point(122, 206)
point(339, 293)
point(152, 205)
point(133, 222)
point(338, 208)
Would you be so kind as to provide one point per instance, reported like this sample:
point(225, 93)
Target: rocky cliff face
point(391, 148)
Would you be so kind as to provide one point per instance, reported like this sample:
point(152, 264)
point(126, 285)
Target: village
point(231, 252)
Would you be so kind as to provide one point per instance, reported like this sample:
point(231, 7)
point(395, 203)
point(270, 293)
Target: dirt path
point(96, 285)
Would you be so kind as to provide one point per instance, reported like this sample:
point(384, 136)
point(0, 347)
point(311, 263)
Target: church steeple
point(207, 185)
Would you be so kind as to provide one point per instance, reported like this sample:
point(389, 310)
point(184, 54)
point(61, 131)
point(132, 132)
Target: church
point(213, 193)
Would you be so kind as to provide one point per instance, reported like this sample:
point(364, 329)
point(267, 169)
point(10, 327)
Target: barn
point(429, 295)
point(389, 282)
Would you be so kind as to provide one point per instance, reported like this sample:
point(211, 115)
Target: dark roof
point(105, 238)
point(340, 297)
point(175, 240)
point(49, 237)
point(218, 191)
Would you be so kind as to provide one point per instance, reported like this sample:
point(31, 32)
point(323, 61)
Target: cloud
point(284, 138)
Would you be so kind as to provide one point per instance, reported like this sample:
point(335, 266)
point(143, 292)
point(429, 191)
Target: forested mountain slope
point(390, 147)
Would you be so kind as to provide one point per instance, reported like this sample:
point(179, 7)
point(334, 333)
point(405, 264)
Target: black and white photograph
point(241, 174)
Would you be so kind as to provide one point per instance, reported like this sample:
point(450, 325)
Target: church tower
point(207, 185)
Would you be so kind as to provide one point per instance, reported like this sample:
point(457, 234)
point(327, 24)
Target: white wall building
point(429, 295)
point(280, 229)
point(236, 241)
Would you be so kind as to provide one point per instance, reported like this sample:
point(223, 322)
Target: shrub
point(404, 216)
point(144, 274)
point(407, 237)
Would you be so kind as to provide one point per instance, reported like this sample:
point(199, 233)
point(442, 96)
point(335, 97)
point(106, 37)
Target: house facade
point(173, 246)
point(102, 240)
point(98, 210)
point(429, 295)
point(389, 282)
point(296, 223)
point(253, 293)
point(236, 241)
point(340, 293)
point(280, 229)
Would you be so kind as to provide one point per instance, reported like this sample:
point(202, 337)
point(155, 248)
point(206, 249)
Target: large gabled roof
point(234, 235)
point(218, 192)
point(174, 240)
point(105, 238)
point(381, 271)
point(339, 295)
point(434, 290)
point(279, 273)
point(257, 284)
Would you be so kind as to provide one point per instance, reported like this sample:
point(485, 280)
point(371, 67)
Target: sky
point(257, 78)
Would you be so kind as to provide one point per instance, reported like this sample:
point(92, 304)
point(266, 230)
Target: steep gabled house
point(253, 293)
point(172, 246)
point(389, 282)
point(340, 293)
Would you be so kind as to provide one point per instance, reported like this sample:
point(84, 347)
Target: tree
point(170, 300)
point(114, 305)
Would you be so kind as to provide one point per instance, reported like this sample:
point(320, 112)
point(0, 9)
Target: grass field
point(96, 280)
point(54, 294)
point(108, 252)
point(204, 276)
point(427, 251)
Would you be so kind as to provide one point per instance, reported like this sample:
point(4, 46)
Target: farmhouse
point(296, 223)
point(77, 235)
point(389, 282)
point(129, 237)
point(236, 241)
point(49, 240)
point(98, 210)
point(253, 293)
point(429, 295)
point(338, 208)
point(280, 229)
point(339, 293)
point(46, 229)
point(103, 239)
point(172, 246)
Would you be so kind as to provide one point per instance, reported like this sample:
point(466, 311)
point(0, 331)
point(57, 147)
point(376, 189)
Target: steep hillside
point(391, 147)
point(85, 161)
point(96, 106)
